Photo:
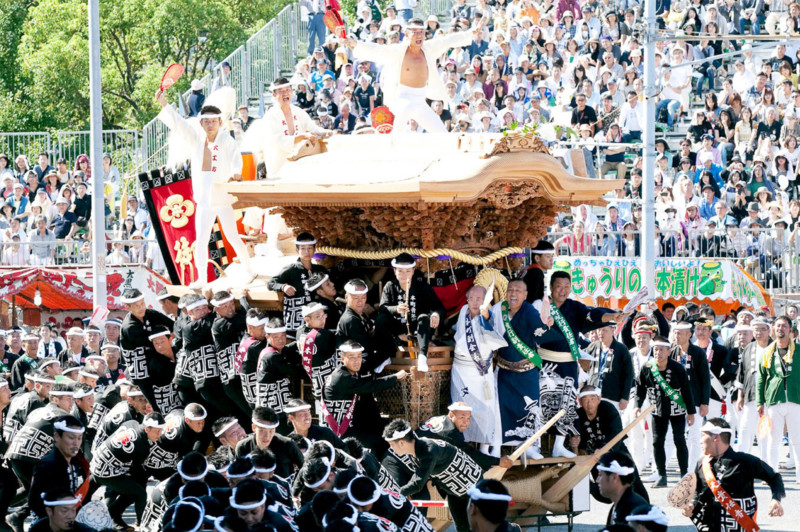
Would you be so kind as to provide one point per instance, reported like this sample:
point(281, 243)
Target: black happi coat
point(697, 373)
point(674, 374)
point(175, 442)
point(35, 438)
point(287, 454)
point(136, 345)
point(443, 428)
point(275, 373)
point(627, 503)
point(595, 433)
point(616, 377)
point(122, 413)
point(228, 333)
point(200, 352)
point(421, 300)
point(248, 370)
point(127, 448)
point(323, 360)
point(339, 392)
point(18, 411)
point(295, 275)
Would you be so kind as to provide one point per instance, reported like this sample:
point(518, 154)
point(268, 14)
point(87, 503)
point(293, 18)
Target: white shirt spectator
point(631, 118)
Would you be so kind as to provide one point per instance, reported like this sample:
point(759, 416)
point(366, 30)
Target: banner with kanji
point(721, 283)
point(71, 288)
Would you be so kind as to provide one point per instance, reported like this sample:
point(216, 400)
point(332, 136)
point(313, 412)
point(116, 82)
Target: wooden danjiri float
point(466, 205)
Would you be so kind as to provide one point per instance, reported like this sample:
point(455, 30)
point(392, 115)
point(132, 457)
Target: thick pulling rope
point(439, 253)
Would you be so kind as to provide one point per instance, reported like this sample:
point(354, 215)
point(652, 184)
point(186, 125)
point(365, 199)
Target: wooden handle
point(530, 441)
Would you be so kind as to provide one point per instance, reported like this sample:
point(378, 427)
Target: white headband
point(198, 303)
point(403, 265)
point(88, 375)
point(159, 334)
point(274, 87)
point(242, 475)
point(200, 521)
point(415, 26)
point(352, 520)
point(248, 506)
point(43, 380)
point(459, 408)
point(3, 382)
point(759, 321)
point(305, 242)
point(220, 302)
point(747, 313)
point(588, 393)
point(63, 393)
point(75, 331)
point(191, 477)
point(713, 429)
point(312, 308)
point(193, 417)
point(350, 288)
point(62, 426)
point(265, 425)
point(660, 344)
point(614, 467)
point(321, 481)
point(30, 338)
point(153, 424)
point(225, 427)
point(163, 296)
point(98, 357)
point(654, 515)
point(256, 322)
point(114, 321)
point(398, 434)
point(682, 326)
point(311, 288)
point(209, 115)
point(80, 394)
point(348, 349)
point(64, 502)
point(543, 252)
point(275, 330)
point(129, 300)
point(134, 393)
point(265, 470)
point(376, 493)
point(477, 495)
point(340, 491)
point(293, 409)
point(45, 364)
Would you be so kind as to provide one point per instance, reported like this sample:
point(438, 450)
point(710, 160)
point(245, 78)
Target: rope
point(485, 278)
point(445, 253)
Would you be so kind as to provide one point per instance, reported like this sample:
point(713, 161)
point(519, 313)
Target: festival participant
point(343, 517)
point(409, 73)
point(323, 291)
point(26, 402)
point(112, 329)
point(725, 498)
point(316, 475)
point(59, 514)
point(695, 363)
point(62, 467)
point(183, 429)
point(720, 373)
point(111, 352)
point(408, 306)
point(664, 383)
point(367, 496)
point(488, 507)
point(778, 391)
point(414, 461)
point(76, 350)
point(33, 441)
point(8, 480)
point(640, 438)
point(348, 405)
point(278, 366)
point(648, 518)
point(615, 479)
point(24, 364)
point(228, 330)
point(291, 281)
point(283, 125)
point(611, 371)
point(137, 349)
point(542, 256)
point(317, 344)
point(133, 408)
point(299, 413)
point(473, 380)
point(215, 159)
point(162, 370)
point(249, 350)
point(82, 411)
point(452, 427)
point(560, 353)
point(746, 380)
point(228, 431)
point(355, 325)
point(249, 498)
point(518, 366)
point(287, 454)
point(93, 337)
point(117, 465)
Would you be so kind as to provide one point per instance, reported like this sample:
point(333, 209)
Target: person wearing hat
point(664, 383)
point(64, 223)
point(216, 158)
point(290, 281)
point(453, 428)
point(117, 465)
point(28, 361)
point(778, 390)
point(196, 98)
point(410, 72)
point(408, 306)
point(348, 406)
point(725, 483)
point(448, 468)
point(75, 351)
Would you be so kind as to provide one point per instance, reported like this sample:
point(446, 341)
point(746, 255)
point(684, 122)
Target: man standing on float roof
point(410, 74)
point(215, 160)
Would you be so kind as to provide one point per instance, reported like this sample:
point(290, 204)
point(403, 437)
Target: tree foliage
point(44, 55)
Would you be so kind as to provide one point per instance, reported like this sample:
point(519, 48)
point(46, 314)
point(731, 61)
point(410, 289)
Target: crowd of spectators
point(45, 215)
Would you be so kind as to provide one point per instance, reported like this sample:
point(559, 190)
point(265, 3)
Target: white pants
point(714, 409)
point(788, 415)
point(731, 414)
point(410, 104)
point(748, 427)
point(639, 440)
point(203, 223)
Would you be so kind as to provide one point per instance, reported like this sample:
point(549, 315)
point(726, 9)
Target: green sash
point(530, 354)
point(662, 383)
point(566, 330)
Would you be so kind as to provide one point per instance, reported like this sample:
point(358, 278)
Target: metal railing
point(75, 252)
point(771, 256)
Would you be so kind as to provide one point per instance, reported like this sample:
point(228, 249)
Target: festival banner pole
point(96, 155)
